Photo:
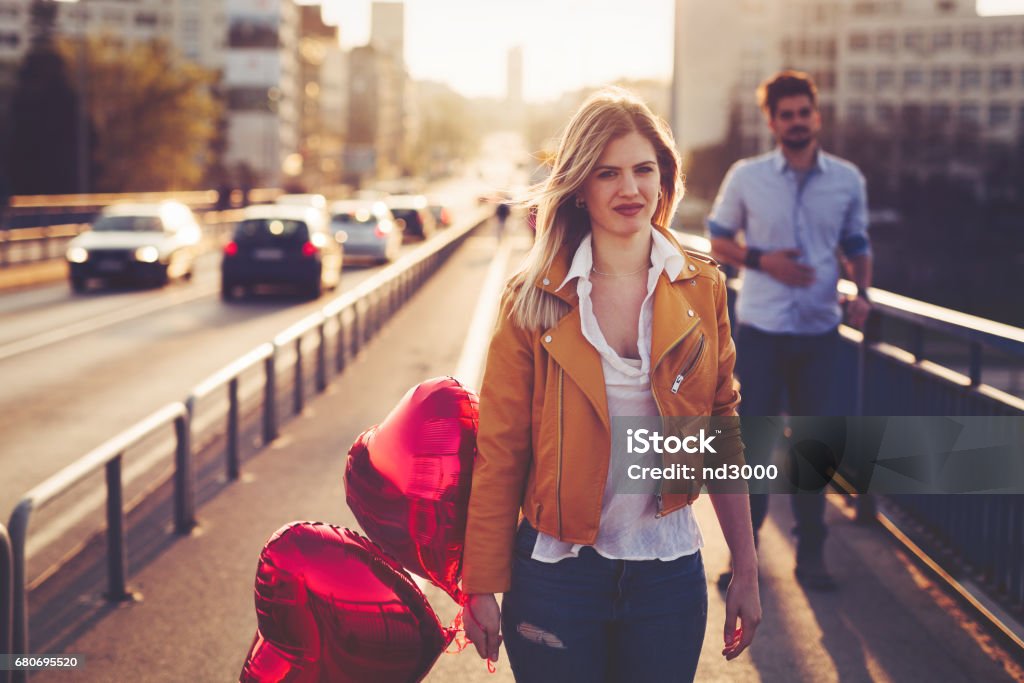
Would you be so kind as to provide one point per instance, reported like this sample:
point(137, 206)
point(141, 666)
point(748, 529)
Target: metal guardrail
point(6, 599)
point(38, 228)
point(983, 533)
point(354, 318)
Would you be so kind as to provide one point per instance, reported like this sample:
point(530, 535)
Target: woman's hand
point(483, 623)
point(742, 601)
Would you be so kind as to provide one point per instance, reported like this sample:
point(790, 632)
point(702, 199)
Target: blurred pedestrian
point(5, 198)
point(501, 214)
point(798, 207)
point(608, 317)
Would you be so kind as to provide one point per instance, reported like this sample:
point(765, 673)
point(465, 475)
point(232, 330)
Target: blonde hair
point(605, 116)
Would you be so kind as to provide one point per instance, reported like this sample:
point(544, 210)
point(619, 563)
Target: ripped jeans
point(597, 620)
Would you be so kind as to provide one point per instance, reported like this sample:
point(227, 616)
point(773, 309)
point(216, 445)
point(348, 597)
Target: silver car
point(140, 243)
point(367, 228)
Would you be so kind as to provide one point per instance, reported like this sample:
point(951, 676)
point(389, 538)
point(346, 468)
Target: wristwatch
point(753, 258)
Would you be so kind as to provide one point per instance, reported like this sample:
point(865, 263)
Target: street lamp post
point(83, 102)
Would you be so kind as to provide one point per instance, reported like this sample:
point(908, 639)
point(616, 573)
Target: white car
point(139, 243)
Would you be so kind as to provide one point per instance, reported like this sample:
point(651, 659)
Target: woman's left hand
point(742, 603)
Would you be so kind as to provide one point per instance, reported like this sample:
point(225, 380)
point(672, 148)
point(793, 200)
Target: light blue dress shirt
point(818, 212)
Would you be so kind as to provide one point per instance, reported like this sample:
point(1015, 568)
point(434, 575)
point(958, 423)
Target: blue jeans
point(796, 371)
point(592, 619)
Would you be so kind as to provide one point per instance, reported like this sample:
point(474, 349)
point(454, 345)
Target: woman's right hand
point(482, 619)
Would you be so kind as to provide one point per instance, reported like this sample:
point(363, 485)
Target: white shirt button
point(692, 268)
point(546, 281)
point(548, 338)
point(690, 313)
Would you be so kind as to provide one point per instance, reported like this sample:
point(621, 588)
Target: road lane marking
point(474, 350)
point(38, 341)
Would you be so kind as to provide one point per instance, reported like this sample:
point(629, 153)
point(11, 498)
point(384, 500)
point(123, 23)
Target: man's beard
point(797, 144)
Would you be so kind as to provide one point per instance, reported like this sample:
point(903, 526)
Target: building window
point(859, 42)
point(913, 78)
point(858, 79)
point(945, 5)
point(970, 113)
point(885, 113)
point(146, 19)
point(913, 40)
point(886, 42)
point(942, 40)
point(9, 11)
point(11, 40)
point(972, 40)
point(970, 78)
point(938, 113)
point(911, 115)
point(941, 78)
point(856, 113)
point(1001, 78)
point(1002, 38)
point(865, 7)
point(999, 115)
point(885, 79)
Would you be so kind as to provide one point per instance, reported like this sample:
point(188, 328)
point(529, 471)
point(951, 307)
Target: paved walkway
point(195, 623)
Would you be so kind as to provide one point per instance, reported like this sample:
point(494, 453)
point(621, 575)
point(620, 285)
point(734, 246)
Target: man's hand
point(483, 623)
point(742, 602)
point(783, 266)
point(857, 310)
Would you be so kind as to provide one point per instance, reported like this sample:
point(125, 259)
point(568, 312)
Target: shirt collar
point(780, 165)
point(664, 257)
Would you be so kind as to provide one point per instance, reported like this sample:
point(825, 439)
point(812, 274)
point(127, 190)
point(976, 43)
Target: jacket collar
point(674, 319)
point(562, 268)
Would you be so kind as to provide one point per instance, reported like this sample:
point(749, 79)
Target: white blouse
point(628, 529)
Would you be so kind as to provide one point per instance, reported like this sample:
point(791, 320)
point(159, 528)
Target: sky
point(566, 43)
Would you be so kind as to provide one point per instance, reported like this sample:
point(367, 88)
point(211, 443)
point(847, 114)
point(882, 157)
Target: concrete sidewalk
point(22, 275)
point(197, 619)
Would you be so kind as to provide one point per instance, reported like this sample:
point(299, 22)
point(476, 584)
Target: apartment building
point(878, 63)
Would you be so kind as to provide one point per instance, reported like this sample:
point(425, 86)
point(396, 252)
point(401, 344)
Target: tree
point(155, 117)
point(43, 145)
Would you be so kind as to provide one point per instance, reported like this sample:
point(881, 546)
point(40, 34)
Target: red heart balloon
point(407, 479)
point(330, 606)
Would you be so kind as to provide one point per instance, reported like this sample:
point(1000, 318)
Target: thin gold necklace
point(635, 272)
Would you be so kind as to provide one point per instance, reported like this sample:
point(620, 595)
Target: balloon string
point(460, 640)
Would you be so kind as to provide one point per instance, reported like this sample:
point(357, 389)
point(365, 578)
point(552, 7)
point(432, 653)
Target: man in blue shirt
point(803, 215)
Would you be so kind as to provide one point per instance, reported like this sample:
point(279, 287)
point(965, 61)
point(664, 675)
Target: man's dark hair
point(785, 84)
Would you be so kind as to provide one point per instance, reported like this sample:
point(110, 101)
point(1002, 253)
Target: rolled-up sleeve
point(728, 214)
point(853, 236)
point(504, 453)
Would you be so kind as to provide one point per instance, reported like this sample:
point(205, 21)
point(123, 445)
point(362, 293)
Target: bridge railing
point(890, 370)
point(38, 228)
point(339, 330)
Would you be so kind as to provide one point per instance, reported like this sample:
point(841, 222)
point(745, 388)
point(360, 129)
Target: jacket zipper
point(558, 475)
point(690, 364)
point(654, 389)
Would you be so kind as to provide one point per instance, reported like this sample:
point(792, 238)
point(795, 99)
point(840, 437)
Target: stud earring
point(580, 204)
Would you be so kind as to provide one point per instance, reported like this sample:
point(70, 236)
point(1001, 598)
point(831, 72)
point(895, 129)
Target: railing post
point(184, 482)
point(357, 330)
point(233, 467)
point(321, 357)
point(6, 599)
point(18, 530)
point(270, 397)
point(298, 398)
point(339, 349)
point(116, 551)
point(975, 367)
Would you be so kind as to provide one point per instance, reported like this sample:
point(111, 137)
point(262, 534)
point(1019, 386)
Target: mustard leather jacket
point(544, 440)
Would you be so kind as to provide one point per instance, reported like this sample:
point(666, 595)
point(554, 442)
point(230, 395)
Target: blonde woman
point(609, 317)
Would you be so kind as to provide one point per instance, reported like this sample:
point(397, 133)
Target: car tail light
point(231, 249)
point(446, 218)
point(309, 249)
point(382, 228)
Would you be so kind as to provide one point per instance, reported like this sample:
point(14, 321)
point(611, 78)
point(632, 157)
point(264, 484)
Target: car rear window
point(410, 216)
point(269, 230)
point(353, 218)
point(128, 224)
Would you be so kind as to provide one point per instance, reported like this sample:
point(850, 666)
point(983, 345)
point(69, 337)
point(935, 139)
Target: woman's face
point(621, 193)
